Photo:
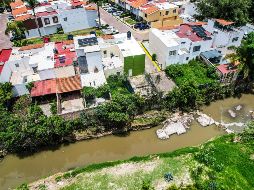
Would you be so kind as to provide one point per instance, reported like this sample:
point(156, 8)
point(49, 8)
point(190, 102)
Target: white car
point(110, 30)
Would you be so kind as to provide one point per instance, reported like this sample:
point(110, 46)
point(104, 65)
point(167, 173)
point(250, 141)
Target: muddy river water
point(16, 170)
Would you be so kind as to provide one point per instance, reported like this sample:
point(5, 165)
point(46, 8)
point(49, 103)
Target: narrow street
point(121, 27)
point(4, 40)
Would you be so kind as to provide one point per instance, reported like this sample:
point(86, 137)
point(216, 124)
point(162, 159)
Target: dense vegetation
point(197, 85)
point(24, 127)
point(224, 163)
point(239, 11)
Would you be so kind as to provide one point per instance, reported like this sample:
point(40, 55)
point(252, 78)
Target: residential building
point(37, 62)
point(160, 14)
point(99, 58)
point(69, 15)
point(157, 13)
point(225, 33)
point(227, 72)
point(180, 44)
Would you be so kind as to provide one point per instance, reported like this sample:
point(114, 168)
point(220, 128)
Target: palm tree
point(17, 28)
point(98, 4)
point(244, 54)
point(32, 4)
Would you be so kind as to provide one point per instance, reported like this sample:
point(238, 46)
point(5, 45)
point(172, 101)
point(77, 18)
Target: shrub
point(154, 57)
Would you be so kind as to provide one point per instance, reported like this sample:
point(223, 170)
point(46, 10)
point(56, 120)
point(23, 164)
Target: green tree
point(5, 94)
point(17, 28)
point(244, 54)
point(233, 10)
point(33, 4)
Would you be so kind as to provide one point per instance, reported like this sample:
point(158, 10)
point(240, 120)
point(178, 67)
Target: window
point(105, 52)
point(187, 58)
point(35, 69)
point(17, 65)
point(145, 15)
point(167, 12)
point(55, 19)
point(235, 39)
point(65, 19)
point(183, 42)
point(172, 53)
point(196, 48)
point(46, 21)
point(174, 11)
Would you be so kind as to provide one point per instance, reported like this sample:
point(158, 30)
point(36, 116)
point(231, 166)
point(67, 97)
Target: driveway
point(4, 40)
point(121, 27)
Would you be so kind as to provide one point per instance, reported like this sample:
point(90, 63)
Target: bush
point(154, 57)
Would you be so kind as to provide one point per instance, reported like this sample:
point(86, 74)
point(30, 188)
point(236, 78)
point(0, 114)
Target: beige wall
point(163, 18)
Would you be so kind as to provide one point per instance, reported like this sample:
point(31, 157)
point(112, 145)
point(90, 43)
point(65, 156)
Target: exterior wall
point(67, 71)
point(94, 60)
point(161, 19)
point(47, 74)
point(224, 38)
point(19, 90)
point(5, 74)
point(114, 71)
point(159, 48)
point(134, 63)
point(44, 31)
point(162, 51)
point(77, 19)
point(110, 50)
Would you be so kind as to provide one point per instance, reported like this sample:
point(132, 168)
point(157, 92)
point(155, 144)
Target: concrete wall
point(44, 31)
point(19, 90)
point(114, 71)
point(77, 19)
point(223, 38)
point(47, 74)
point(94, 60)
point(5, 74)
point(162, 51)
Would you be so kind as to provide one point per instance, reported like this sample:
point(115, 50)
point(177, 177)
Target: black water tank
point(70, 37)
point(93, 32)
point(128, 35)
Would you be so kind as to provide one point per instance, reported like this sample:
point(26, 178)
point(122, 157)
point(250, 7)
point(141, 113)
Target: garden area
point(130, 21)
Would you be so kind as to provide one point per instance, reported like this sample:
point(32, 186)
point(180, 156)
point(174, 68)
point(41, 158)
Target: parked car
point(110, 30)
point(141, 26)
point(10, 18)
point(1, 9)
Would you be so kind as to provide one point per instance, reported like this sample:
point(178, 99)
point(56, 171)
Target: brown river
point(15, 170)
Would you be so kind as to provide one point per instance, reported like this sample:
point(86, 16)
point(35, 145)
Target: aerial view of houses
point(126, 94)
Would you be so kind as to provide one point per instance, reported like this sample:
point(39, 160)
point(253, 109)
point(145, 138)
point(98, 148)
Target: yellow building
point(160, 14)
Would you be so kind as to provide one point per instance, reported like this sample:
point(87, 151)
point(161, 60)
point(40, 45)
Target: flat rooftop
point(128, 47)
point(111, 63)
point(168, 37)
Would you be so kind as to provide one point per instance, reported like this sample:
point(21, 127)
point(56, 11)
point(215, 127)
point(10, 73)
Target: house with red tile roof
point(227, 72)
point(71, 15)
point(180, 44)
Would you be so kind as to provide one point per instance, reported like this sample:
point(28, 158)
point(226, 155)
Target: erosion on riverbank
point(208, 165)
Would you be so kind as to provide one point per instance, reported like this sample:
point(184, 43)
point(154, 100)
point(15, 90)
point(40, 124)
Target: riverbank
point(203, 166)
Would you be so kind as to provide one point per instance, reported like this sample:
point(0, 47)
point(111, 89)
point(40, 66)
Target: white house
point(69, 15)
point(225, 33)
point(179, 45)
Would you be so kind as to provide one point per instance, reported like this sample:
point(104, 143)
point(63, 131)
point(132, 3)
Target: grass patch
point(130, 21)
point(218, 164)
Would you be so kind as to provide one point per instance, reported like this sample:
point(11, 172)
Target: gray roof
point(211, 54)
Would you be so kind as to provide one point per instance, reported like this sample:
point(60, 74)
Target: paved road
point(4, 40)
point(121, 27)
